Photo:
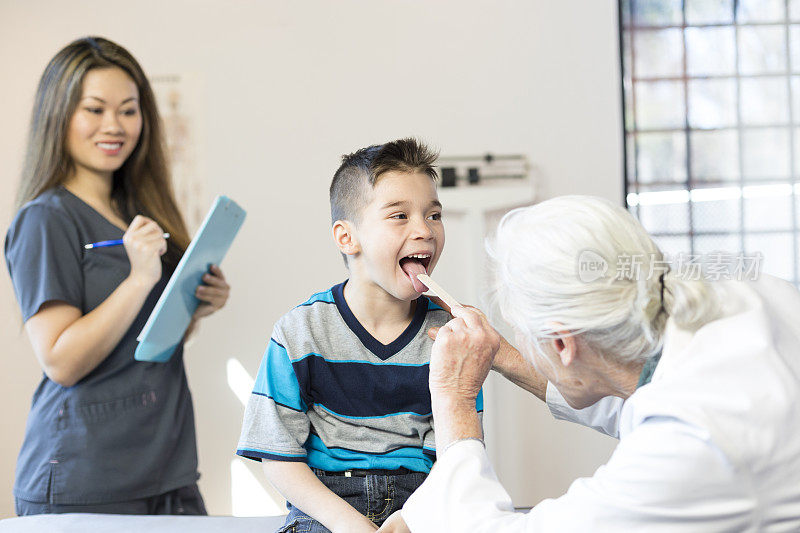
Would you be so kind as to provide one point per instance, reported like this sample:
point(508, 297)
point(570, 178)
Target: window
point(711, 92)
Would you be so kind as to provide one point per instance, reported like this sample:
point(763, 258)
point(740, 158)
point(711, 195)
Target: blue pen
point(115, 242)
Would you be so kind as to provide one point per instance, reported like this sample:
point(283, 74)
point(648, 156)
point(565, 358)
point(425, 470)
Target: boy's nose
point(422, 230)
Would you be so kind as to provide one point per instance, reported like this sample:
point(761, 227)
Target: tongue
point(412, 269)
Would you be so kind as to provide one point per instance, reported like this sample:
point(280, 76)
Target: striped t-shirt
point(331, 395)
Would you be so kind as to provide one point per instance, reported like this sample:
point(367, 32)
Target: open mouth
point(413, 265)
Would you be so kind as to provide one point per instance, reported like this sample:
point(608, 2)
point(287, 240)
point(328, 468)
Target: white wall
point(290, 86)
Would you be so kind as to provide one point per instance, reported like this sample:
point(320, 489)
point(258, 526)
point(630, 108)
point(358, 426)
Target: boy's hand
point(361, 526)
point(394, 524)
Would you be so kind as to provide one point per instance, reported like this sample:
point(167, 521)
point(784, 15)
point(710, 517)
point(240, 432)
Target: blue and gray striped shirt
point(331, 395)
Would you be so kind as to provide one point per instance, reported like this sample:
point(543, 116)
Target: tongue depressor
point(438, 290)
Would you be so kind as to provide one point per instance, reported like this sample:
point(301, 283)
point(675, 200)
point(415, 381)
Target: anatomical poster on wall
point(179, 101)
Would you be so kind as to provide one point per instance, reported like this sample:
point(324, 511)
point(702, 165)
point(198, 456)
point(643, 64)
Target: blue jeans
point(374, 496)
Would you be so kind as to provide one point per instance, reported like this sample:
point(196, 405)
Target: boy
point(340, 413)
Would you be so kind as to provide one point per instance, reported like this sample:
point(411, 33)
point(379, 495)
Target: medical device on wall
point(476, 169)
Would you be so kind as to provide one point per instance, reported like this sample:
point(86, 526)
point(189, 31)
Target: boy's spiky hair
point(365, 166)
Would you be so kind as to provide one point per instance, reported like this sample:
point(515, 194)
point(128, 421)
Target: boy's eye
point(399, 216)
point(436, 216)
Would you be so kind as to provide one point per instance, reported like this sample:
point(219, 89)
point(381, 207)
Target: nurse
point(105, 434)
point(699, 380)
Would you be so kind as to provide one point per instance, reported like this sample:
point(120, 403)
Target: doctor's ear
point(344, 237)
point(564, 345)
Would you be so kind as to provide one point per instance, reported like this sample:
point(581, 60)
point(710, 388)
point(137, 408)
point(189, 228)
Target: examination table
point(99, 523)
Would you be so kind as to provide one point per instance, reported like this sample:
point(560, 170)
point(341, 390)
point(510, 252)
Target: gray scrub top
point(124, 431)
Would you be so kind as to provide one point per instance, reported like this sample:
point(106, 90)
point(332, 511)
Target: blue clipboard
point(173, 312)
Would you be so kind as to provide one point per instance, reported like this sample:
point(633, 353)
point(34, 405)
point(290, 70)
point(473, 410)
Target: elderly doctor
point(700, 381)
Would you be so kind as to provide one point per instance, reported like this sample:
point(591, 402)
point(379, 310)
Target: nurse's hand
point(213, 293)
point(394, 524)
point(145, 244)
point(462, 356)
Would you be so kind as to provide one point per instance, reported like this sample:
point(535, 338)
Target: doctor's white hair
point(539, 291)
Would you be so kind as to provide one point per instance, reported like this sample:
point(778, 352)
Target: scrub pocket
point(105, 447)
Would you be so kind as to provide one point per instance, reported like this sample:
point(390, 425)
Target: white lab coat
point(711, 444)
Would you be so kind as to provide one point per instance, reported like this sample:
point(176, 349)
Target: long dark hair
point(142, 185)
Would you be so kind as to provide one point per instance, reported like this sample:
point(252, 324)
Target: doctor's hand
point(506, 355)
point(394, 524)
point(213, 293)
point(508, 361)
point(462, 355)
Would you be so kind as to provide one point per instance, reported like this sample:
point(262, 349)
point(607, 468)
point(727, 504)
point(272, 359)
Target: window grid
point(629, 30)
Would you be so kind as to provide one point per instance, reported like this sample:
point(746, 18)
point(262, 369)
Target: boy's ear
point(345, 238)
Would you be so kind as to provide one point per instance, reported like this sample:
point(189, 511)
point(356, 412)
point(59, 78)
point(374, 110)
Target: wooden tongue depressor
point(440, 292)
